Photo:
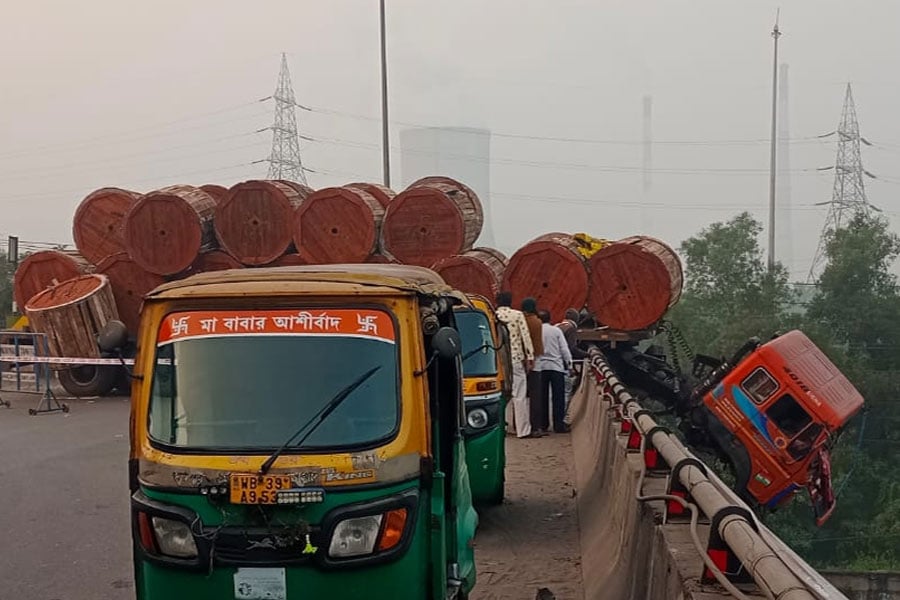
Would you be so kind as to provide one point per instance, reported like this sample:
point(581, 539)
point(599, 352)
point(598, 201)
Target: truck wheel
point(88, 380)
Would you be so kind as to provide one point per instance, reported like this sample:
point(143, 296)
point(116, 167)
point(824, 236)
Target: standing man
point(569, 327)
point(554, 364)
point(538, 425)
point(522, 352)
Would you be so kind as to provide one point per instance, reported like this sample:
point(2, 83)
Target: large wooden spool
point(217, 192)
point(478, 271)
point(40, 270)
point(72, 313)
point(382, 193)
point(215, 260)
point(431, 220)
point(634, 282)
point(168, 228)
point(254, 223)
point(129, 283)
point(552, 271)
point(99, 223)
point(303, 190)
point(337, 225)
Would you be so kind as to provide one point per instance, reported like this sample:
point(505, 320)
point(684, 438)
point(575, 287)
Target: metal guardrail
point(738, 543)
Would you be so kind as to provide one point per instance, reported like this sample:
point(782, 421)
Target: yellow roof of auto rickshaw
point(480, 302)
point(374, 278)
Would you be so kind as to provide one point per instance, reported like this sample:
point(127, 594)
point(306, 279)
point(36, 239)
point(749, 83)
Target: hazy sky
point(142, 95)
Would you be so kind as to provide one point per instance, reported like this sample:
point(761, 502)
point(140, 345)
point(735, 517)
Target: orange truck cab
point(784, 402)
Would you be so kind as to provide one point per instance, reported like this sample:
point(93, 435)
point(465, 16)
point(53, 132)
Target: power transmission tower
point(284, 161)
point(848, 198)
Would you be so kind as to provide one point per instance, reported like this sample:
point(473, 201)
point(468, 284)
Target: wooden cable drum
point(217, 192)
point(478, 271)
point(337, 225)
point(291, 259)
point(302, 189)
point(382, 193)
point(442, 179)
point(254, 223)
point(129, 283)
point(167, 229)
point(72, 313)
point(634, 282)
point(215, 260)
point(669, 258)
point(99, 223)
point(430, 221)
point(42, 269)
point(550, 270)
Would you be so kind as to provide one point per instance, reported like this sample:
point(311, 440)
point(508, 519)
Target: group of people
point(543, 356)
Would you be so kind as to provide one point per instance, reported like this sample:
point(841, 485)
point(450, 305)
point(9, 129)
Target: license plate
point(257, 489)
point(259, 584)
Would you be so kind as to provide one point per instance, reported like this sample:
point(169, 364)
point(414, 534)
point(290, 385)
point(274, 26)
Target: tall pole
point(385, 138)
point(775, 34)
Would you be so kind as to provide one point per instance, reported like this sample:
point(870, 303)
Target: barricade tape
point(62, 360)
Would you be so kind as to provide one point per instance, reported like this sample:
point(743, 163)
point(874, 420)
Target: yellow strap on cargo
point(588, 245)
point(21, 324)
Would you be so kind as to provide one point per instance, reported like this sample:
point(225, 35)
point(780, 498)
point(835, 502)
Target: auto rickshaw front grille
point(269, 546)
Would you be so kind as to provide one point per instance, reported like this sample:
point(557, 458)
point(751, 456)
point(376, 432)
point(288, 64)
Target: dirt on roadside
point(531, 542)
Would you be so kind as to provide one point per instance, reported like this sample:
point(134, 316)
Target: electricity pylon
point(284, 161)
point(848, 197)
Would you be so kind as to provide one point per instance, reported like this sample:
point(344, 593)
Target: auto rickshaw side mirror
point(113, 336)
point(446, 343)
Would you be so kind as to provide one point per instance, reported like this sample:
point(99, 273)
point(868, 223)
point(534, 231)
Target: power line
point(129, 183)
point(115, 163)
point(557, 165)
point(105, 137)
point(576, 140)
point(637, 204)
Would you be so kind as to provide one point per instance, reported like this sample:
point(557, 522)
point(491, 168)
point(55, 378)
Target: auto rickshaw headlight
point(174, 538)
point(477, 418)
point(355, 536)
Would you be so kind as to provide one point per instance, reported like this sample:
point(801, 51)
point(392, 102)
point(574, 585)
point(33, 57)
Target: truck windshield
point(475, 331)
point(247, 379)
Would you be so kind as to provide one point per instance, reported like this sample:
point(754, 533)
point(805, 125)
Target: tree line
point(852, 313)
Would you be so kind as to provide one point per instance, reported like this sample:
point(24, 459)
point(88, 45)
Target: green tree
point(857, 296)
point(729, 293)
point(855, 319)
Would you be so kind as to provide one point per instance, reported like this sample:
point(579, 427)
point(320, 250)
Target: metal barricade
point(16, 345)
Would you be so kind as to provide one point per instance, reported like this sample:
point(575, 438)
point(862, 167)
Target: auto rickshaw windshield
point(243, 390)
point(480, 358)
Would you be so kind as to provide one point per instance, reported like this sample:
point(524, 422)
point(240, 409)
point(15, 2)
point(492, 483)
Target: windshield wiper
point(475, 351)
point(318, 418)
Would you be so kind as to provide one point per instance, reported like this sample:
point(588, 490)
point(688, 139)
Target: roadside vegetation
point(853, 313)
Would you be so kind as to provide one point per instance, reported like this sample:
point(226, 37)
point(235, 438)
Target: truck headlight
point(174, 538)
point(355, 536)
point(477, 418)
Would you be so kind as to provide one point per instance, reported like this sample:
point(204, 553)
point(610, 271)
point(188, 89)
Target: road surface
point(64, 501)
point(65, 524)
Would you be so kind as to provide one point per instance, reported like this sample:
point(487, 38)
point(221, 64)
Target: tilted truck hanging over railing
point(773, 411)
